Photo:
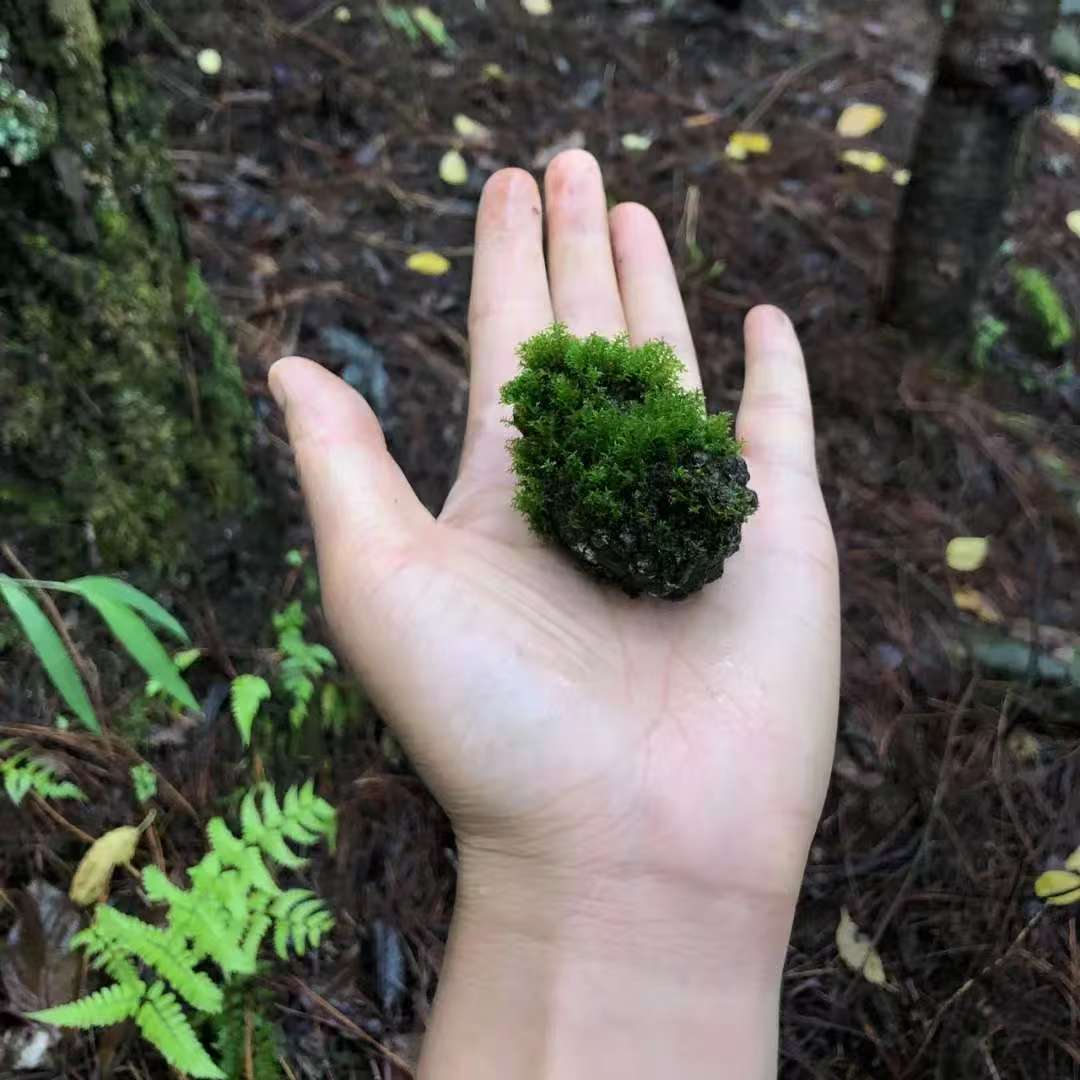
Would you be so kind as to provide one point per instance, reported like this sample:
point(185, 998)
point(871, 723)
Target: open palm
point(559, 722)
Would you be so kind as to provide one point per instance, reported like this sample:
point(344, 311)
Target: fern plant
point(123, 608)
point(302, 661)
point(22, 774)
point(232, 905)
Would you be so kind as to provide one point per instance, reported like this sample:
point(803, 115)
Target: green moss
point(123, 418)
point(623, 467)
point(1043, 305)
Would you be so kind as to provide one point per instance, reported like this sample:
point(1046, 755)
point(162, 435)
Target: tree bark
point(991, 79)
point(122, 410)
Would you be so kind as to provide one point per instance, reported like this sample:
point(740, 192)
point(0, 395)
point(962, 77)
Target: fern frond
point(232, 905)
point(246, 694)
point(269, 840)
point(163, 1023)
point(106, 955)
point(167, 954)
point(22, 773)
point(230, 851)
point(101, 1009)
point(212, 928)
point(253, 939)
point(300, 920)
point(313, 813)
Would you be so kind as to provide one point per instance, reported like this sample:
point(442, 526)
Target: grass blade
point(120, 592)
point(46, 642)
point(145, 649)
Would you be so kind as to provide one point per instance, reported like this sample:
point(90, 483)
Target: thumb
point(361, 506)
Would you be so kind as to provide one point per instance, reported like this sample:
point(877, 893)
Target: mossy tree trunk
point(991, 79)
point(122, 411)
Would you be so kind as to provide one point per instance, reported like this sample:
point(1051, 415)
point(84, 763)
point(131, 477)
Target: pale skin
point(633, 784)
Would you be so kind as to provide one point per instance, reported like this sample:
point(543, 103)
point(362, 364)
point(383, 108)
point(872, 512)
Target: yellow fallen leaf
point(493, 72)
point(1069, 123)
point(430, 263)
point(1058, 887)
point(748, 142)
point(104, 855)
point(209, 61)
point(1073, 861)
point(973, 601)
point(452, 168)
point(966, 553)
point(636, 144)
point(857, 121)
point(472, 131)
point(869, 160)
point(902, 177)
point(1072, 80)
point(537, 7)
point(857, 951)
point(1072, 220)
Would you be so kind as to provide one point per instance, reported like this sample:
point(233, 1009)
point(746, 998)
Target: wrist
point(562, 975)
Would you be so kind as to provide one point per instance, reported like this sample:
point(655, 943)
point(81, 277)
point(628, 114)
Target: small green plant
point(302, 661)
point(24, 774)
point(232, 905)
point(989, 332)
point(123, 608)
point(246, 694)
point(624, 467)
point(144, 782)
point(1043, 304)
point(421, 20)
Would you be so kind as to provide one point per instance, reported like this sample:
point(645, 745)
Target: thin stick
point(792, 75)
point(354, 1028)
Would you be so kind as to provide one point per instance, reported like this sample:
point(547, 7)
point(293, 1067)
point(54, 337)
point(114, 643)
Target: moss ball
point(622, 466)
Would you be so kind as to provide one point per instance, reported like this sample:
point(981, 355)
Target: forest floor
point(308, 173)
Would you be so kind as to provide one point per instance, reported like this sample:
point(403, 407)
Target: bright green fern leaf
point(167, 953)
point(22, 774)
point(103, 1009)
point(246, 694)
point(163, 1023)
point(233, 904)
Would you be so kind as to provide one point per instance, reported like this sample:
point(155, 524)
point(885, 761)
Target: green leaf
point(50, 649)
point(120, 592)
point(145, 649)
point(246, 694)
point(102, 1009)
point(144, 781)
point(163, 1023)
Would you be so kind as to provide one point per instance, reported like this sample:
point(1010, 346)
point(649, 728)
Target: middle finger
point(581, 269)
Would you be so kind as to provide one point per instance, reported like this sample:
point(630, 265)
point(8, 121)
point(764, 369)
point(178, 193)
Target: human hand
point(613, 767)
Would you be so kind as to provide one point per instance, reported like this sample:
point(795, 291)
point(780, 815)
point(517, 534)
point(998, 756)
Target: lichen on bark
point(122, 411)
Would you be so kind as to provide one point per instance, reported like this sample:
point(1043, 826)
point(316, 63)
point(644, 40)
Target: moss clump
point(622, 466)
point(1042, 304)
